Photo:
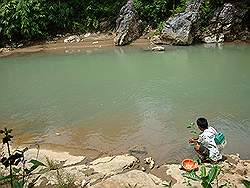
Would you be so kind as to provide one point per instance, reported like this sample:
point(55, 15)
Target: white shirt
point(207, 140)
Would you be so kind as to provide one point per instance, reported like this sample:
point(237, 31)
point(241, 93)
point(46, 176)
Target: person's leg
point(202, 152)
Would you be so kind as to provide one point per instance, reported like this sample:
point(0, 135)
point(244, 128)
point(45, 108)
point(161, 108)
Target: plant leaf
point(16, 170)
point(36, 162)
point(18, 184)
point(246, 183)
point(203, 172)
point(213, 173)
point(35, 165)
point(191, 175)
point(205, 184)
point(5, 177)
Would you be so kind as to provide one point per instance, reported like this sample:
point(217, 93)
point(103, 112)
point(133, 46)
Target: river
point(112, 100)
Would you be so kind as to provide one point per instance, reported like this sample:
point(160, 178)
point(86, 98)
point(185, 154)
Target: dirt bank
point(91, 41)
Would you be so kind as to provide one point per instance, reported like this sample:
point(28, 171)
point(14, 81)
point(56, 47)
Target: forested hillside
point(38, 19)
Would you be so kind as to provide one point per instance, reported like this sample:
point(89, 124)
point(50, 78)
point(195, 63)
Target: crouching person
point(205, 145)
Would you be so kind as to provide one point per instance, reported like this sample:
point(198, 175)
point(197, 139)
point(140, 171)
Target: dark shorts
point(204, 151)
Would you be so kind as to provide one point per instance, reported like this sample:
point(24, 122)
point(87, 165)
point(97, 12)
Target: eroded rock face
point(180, 28)
point(128, 25)
point(227, 22)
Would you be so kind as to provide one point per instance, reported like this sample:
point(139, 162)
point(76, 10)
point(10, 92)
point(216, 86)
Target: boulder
point(180, 29)
point(113, 165)
point(128, 25)
point(227, 23)
point(134, 178)
point(61, 157)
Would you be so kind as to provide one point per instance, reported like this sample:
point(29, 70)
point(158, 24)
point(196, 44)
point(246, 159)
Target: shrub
point(22, 19)
point(153, 12)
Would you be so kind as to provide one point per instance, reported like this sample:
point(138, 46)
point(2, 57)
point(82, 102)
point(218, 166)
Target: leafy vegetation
point(153, 12)
point(40, 19)
point(246, 183)
point(193, 129)
point(36, 19)
point(15, 161)
point(22, 19)
point(205, 178)
point(22, 172)
point(180, 7)
point(207, 10)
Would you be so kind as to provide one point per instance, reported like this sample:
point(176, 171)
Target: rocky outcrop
point(226, 24)
point(180, 29)
point(128, 25)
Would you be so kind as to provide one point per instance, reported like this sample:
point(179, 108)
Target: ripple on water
point(236, 132)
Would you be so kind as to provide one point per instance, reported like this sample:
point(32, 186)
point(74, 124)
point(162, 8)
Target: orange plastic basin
point(189, 164)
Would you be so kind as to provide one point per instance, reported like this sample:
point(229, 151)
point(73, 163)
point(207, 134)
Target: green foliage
point(18, 173)
point(191, 175)
point(192, 128)
point(180, 7)
point(246, 183)
point(160, 27)
point(153, 12)
point(207, 10)
point(22, 18)
point(34, 19)
point(205, 178)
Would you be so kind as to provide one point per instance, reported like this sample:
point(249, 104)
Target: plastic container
point(189, 165)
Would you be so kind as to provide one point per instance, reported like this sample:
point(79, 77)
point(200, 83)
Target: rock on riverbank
point(128, 25)
point(125, 170)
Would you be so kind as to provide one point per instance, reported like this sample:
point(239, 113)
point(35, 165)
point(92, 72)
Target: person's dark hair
point(202, 123)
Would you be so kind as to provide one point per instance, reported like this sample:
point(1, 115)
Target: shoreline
point(100, 41)
point(93, 41)
point(116, 171)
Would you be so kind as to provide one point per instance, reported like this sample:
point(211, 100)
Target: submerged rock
point(180, 29)
point(128, 25)
point(227, 24)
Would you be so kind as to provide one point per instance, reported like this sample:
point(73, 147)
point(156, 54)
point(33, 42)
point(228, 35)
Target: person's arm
point(193, 140)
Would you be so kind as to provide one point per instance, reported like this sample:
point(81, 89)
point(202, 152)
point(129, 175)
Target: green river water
point(115, 99)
